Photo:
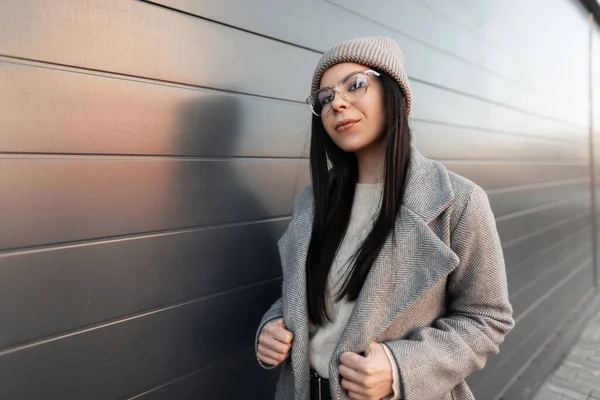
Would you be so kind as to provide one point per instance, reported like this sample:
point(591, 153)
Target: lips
point(345, 125)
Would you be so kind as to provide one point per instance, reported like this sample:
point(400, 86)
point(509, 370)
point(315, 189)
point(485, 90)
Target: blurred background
point(150, 152)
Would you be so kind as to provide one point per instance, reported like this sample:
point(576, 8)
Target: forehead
point(337, 72)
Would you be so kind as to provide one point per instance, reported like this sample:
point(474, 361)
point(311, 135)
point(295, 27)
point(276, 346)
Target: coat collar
point(428, 189)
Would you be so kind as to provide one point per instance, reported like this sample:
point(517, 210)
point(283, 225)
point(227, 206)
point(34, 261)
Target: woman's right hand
point(274, 343)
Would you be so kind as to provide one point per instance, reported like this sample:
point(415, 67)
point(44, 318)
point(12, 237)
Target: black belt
point(319, 387)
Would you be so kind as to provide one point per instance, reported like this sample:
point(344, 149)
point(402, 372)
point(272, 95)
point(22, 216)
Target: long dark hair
point(334, 193)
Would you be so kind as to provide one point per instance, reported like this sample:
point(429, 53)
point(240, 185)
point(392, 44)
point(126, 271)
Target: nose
point(339, 103)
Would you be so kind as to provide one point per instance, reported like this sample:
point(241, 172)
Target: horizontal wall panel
point(552, 276)
point(184, 121)
point(505, 175)
point(529, 335)
point(431, 103)
point(117, 360)
point(524, 198)
point(443, 141)
point(243, 373)
point(50, 200)
point(523, 273)
point(476, 15)
point(517, 252)
point(516, 226)
point(140, 39)
point(50, 110)
point(116, 278)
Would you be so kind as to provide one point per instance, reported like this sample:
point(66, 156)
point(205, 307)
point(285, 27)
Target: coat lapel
point(293, 247)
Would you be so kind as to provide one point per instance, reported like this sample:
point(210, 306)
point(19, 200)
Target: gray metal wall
point(149, 155)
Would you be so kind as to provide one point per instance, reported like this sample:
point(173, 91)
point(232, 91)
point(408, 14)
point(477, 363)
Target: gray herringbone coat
point(437, 296)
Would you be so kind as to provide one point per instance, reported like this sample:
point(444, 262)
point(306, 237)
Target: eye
point(325, 97)
point(357, 82)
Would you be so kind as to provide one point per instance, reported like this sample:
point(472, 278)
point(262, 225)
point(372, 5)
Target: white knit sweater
point(323, 340)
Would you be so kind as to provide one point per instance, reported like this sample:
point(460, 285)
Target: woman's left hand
point(368, 377)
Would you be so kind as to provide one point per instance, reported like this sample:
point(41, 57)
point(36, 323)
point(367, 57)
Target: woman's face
point(354, 126)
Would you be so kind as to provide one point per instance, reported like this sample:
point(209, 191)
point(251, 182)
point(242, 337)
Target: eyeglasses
point(352, 88)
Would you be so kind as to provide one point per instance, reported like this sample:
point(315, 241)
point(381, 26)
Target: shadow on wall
point(226, 257)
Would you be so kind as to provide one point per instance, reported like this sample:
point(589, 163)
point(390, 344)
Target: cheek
point(329, 126)
point(377, 114)
point(376, 121)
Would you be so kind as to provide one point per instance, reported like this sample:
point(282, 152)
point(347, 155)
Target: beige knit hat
point(381, 53)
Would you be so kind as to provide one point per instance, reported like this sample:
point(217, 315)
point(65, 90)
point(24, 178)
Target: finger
point(272, 354)
point(275, 323)
point(268, 360)
point(277, 333)
point(351, 374)
point(273, 344)
point(282, 334)
point(356, 396)
point(352, 360)
point(353, 387)
point(370, 349)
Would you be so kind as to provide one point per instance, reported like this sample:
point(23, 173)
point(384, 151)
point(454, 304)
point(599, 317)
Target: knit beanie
point(381, 53)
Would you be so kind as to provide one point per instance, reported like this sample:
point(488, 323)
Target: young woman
point(394, 283)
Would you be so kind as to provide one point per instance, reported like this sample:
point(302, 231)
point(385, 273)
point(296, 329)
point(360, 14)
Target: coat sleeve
point(273, 313)
point(434, 359)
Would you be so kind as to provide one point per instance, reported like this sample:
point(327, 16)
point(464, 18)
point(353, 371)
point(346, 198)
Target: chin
point(352, 143)
point(351, 147)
